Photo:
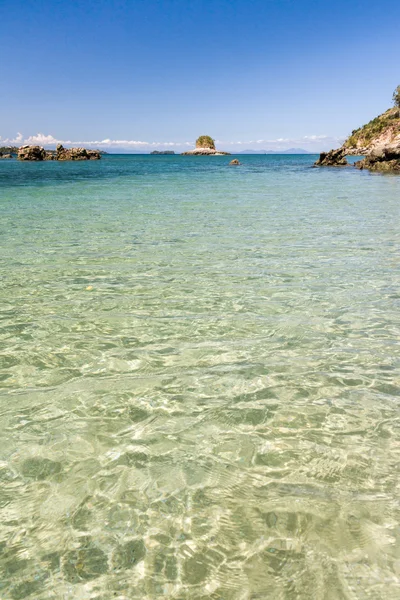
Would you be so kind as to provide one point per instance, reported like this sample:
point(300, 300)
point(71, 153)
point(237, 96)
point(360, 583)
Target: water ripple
point(200, 381)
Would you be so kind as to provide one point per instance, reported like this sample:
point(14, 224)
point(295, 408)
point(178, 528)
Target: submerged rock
point(333, 158)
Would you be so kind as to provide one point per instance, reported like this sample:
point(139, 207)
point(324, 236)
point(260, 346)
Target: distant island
point(38, 153)
point(378, 141)
point(8, 151)
point(205, 146)
point(162, 152)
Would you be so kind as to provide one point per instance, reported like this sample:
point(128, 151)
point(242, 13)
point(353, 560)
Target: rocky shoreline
point(378, 142)
point(385, 159)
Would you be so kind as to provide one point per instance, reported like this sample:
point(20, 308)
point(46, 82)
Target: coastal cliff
point(378, 141)
point(381, 132)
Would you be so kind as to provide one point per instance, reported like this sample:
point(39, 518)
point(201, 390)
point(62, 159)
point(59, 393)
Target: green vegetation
point(205, 141)
point(388, 123)
point(364, 135)
point(396, 97)
point(8, 150)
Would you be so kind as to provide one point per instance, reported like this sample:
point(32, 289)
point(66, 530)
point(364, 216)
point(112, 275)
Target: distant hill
point(290, 151)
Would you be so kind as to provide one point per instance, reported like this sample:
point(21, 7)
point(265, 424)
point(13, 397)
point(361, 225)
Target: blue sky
point(145, 74)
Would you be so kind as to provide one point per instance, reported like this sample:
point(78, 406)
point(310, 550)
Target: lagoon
point(200, 379)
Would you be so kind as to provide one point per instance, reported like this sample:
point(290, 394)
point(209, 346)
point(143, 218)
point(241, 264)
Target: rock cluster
point(385, 159)
point(7, 155)
point(37, 153)
point(76, 153)
point(333, 158)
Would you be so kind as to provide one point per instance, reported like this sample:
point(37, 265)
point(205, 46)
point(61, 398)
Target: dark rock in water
point(235, 162)
point(333, 158)
point(6, 155)
point(384, 159)
point(31, 153)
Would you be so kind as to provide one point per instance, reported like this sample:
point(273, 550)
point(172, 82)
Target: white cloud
point(49, 140)
point(41, 140)
point(308, 142)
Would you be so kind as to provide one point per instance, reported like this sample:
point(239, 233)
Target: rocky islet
point(205, 146)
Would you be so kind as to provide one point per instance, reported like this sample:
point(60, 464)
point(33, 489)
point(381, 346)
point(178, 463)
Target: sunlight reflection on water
point(200, 380)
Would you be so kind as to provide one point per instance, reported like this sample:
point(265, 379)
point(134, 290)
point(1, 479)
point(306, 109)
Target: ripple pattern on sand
point(200, 381)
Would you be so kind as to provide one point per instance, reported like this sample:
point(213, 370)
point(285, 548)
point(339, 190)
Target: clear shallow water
point(199, 379)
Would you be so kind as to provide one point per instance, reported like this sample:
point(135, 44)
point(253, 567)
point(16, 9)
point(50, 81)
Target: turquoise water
point(200, 380)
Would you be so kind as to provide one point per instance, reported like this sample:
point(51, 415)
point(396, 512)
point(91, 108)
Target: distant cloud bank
point(312, 143)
